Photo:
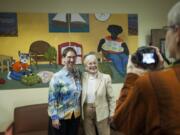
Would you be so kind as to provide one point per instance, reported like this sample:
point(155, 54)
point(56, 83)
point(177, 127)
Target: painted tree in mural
point(114, 49)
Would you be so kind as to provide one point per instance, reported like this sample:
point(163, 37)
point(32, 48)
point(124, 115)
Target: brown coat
point(150, 104)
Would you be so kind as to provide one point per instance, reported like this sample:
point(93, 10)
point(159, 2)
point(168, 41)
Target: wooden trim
point(1, 133)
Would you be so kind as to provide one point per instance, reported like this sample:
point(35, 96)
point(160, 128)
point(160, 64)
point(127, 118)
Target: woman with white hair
point(149, 102)
point(98, 100)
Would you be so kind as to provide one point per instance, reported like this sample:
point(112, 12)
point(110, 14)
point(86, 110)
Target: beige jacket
point(104, 100)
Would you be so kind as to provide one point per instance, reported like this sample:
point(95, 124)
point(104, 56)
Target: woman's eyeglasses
point(172, 27)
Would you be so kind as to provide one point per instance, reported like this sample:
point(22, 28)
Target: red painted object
point(2, 81)
point(76, 46)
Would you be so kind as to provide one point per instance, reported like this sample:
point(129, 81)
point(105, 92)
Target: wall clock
point(102, 16)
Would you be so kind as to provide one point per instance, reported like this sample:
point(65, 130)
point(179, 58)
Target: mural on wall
point(132, 24)
point(106, 34)
point(66, 22)
point(8, 24)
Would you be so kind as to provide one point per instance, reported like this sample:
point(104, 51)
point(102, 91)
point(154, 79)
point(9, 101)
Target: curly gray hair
point(174, 15)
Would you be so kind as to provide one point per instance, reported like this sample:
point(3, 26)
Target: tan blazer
point(104, 100)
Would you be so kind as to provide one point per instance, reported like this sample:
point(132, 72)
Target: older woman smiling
point(98, 101)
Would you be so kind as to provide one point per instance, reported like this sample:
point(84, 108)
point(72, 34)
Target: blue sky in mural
point(63, 22)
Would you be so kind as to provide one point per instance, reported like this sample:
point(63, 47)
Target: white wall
point(9, 99)
point(151, 13)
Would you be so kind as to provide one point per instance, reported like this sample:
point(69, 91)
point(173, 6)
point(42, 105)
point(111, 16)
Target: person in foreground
point(149, 103)
point(98, 100)
point(64, 97)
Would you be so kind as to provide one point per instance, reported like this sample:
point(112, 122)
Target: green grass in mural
point(105, 67)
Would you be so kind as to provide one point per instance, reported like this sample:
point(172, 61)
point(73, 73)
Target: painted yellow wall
point(132, 43)
point(34, 26)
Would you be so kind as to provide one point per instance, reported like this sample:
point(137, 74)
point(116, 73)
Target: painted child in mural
point(20, 68)
point(115, 49)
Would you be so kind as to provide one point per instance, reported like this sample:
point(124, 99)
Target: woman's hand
point(160, 58)
point(56, 124)
point(111, 123)
point(132, 68)
point(110, 119)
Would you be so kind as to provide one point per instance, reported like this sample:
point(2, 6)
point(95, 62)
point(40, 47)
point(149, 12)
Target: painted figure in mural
point(115, 49)
point(64, 97)
point(20, 68)
point(97, 100)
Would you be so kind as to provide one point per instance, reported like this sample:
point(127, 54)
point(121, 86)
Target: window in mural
point(66, 22)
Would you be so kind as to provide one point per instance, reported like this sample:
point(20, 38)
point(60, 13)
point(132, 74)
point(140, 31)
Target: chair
point(31, 120)
point(37, 52)
point(5, 62)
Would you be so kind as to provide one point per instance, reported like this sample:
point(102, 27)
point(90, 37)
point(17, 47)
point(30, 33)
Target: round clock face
point(102, 16)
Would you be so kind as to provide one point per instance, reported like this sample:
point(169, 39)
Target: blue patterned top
point(64, 94)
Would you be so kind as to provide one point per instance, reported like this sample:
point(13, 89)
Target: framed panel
point(8, 24)
point(156, 36)
point(132, 24)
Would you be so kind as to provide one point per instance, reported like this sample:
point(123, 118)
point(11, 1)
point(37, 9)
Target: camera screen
point(148, 58)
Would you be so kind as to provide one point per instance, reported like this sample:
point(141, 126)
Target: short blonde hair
point(89, 56)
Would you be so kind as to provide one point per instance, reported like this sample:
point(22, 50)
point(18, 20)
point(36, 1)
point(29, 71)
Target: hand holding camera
point(145, 59)
point(132, 68)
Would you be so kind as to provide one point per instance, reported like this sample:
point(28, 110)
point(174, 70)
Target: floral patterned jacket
point(64, 94)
